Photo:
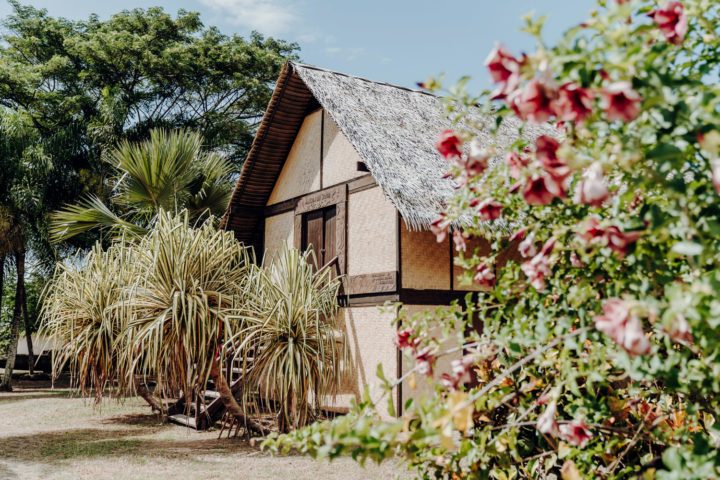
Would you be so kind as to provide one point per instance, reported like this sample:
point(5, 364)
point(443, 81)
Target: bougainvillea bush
point(599, 351)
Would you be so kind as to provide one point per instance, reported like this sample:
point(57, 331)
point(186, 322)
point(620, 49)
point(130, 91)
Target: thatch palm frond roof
point(393, 129)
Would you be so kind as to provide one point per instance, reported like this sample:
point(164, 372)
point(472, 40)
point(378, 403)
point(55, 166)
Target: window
point(318, 233)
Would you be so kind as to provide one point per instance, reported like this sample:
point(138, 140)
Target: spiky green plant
point(291, 331)
point(167, 172)
point(80, 313)
point(181, 312)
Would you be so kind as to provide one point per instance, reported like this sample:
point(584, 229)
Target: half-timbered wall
point(370, 334)
point(279, 232)
point(301, 172)
point(340, 160)
point(429, 265)
point(372, 237)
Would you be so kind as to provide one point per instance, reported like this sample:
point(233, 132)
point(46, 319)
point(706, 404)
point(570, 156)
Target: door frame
point(336, 196)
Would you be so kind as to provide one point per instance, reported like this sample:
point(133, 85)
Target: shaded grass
point(56, 435)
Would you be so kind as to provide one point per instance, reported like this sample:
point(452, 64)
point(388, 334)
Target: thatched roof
point(393, 129)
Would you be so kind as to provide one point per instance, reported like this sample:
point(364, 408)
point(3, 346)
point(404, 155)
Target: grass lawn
point(48, 434)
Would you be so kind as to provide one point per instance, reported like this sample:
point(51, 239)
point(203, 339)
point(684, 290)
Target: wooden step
point(183, 420)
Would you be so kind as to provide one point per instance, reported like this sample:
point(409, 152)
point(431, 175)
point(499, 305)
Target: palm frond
point(156, 171)
point(89, 214)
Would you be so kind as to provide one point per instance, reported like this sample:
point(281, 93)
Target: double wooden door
point(318, 233)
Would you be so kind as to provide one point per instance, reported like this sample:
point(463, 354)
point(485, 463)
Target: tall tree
point(24, 174)
point(99, 82)
point(83, 86)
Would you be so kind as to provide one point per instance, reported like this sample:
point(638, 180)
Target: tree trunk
point(147, 395)
point(26, 317)
point(228, 399)
point(11, 352)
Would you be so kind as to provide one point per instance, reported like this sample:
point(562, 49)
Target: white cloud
point(266, 16)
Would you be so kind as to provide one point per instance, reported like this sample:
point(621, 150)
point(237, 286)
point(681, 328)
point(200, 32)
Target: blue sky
point(397, 41)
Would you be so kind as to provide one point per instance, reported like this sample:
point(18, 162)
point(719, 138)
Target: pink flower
point(672, 21)
point(425, 360)
point(527, 247)
point(576, 433)
point(519, 235)
point(546, 151)
point(592, 189)
point(556, 171)
point(485, 275)
point(538, 267)
point(516, 163)
point(459, 238)
point(546, 422)
point(460, 369)
point(406, 339)
point(619, 241)
point(620, 101)
point(679, 330)
point(624, 328)
point(539, 190)
point(489, 209)
point(573, 103)
point(593, 233)
point(439, 227)
point(534, 101)
point(449, 144)
point(504, 69)
point(715, 167)
point(477, 160)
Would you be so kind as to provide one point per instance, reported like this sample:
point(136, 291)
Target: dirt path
point(46, 434)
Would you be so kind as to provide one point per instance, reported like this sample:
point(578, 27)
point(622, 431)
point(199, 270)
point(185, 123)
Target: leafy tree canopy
point(92, 83)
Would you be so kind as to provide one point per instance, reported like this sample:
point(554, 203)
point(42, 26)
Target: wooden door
point(313, 233)
point(318, 233)
point(329, 243)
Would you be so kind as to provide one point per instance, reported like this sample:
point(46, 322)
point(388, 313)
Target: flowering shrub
point(599, 355)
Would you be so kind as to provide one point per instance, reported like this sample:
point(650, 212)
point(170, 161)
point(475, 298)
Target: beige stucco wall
point(301, 172)
point(425, 262)
point(339, 157)
point(279, 231)
point(370, 337)
point(371, 241)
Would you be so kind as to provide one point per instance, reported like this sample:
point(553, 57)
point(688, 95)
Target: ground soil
point(48, 433)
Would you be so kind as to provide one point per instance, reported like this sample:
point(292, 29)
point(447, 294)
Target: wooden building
point(349, 165)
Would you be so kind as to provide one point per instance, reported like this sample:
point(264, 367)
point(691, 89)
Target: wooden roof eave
point(277, 131)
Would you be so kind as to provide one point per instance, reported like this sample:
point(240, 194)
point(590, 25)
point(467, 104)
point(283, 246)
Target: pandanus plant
point(82, 313)
point(290, 329)
point(181, 312)
point(175, 304)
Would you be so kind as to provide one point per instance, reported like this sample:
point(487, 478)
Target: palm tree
point(290, 329)
point(167, 172)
